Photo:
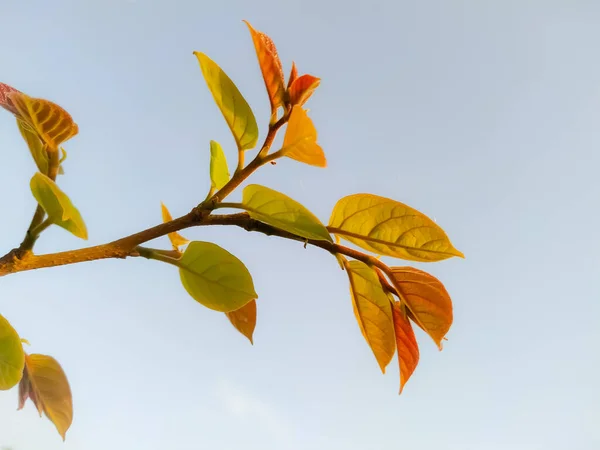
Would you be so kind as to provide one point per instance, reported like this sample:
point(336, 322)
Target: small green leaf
point(36, 147)
point(12, 357)
point(57, 205)
point(280, 211)
point(215, 278)
point(231, 102)
point(219, 172)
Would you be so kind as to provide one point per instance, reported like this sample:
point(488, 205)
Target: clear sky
point(483, 115)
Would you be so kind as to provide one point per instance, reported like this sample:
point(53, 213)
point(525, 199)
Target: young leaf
point(274, 208)
point(36, 147)
point(244, 319)
point(46, 384)
point(5, 102)
point(219, 172)
point(51, 122)
point(270, 66)
point(302, 88)
point(215, 278)
point(176, 239)
point(427, 299)
point(293, 74)
point(57, 205)
point(12, 357)
point(300, 140)
point(373, 311)
point(233, 105)
point(390, 228)
point(406, 343)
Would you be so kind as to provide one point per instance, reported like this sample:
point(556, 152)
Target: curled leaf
point(12, 357)
point(302, 88)
point(300, 140)
point(244, 319)
point(5, 101)
point(36, 147)
point(293, 74)
point(176, 239)
point(219, 172)
point(406, 344)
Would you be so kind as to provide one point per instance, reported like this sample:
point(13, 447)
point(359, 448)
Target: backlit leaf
point(12, 357)
point(427, 300)
point(274, 208)
point(5, 101)
point(215, 278)
point(233, 105)
point(36, 147)
point(45, 383)
point(176, 239)
point(302, 88)
point(219, 172)
point(244, 319)
point(270, 66)
point(57, 205)
point(373, 311)
point(300, 140)
point(406, 344)
point(293, 74)
point(390, 228)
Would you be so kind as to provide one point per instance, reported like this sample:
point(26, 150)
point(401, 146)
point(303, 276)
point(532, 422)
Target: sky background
point(485, 115)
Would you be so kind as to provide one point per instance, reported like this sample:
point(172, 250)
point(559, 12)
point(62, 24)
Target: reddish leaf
point(406, 344)
point(302, 88)
point(270, 66)
point(293, 75)
point(244, 319)
point(5, 102)
point(427, 300)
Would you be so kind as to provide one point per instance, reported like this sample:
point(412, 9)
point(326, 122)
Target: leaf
point(406, 344)
point(293, 74)
point(373, 311)
point(5, 101)
point(302, 88)
point(176, 239)
point(12, 357)
point(36, 147)
point(390, 228)
point(219, 172)
point(427, 299)
point(51, 122)
point(233, 105)
point(276, 209)
point(57, 205)
point(300, 140)
point(215, 278)
point(46, 384)
point(244, 319)
point(270, 66)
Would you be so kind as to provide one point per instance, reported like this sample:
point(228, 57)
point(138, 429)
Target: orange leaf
point(293, 75)
point(46, 384)
point(176, 239)
point(427, 300)
point(300, 140)
point(52, 123)
point(244, 319)
point(302, 88)
point(270, 66)
point(406, 344)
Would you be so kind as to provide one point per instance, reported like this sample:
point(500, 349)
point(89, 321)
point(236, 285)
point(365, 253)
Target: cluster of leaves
point(386, 300)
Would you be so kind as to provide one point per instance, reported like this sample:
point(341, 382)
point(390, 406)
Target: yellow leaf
point(244, 319)
point(274, 208)
point(215, 278)
point(12, 357)
point(233, 105)
point(176, 239)
point(270, 66)
point(406, 343)
point(426, 298)
point(300, 140)
point(390, 228)
point(219, 172)
point(46, 384)
point(36, 147)
point(373, 311)
point(52, 123)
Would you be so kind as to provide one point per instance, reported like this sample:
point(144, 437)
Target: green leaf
point(219, 172)
point(390, 228)
point(36, 147)
point(276, 209)
point(57, 205)
point(12, 357)
point(233, 105)
point(215, 278)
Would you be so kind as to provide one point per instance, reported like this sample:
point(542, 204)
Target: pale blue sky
point(484, 115)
